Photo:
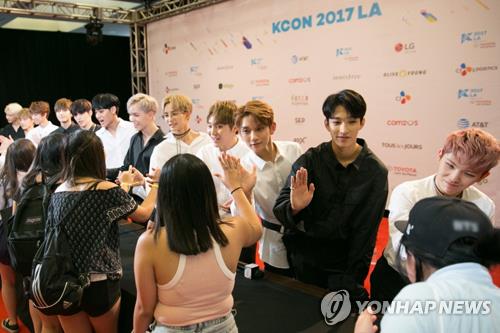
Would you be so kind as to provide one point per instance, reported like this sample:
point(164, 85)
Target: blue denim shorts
point(225, 324)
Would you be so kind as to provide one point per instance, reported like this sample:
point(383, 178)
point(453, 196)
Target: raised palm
point(301, 193)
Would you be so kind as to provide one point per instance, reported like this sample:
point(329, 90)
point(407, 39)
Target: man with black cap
point(449, 243)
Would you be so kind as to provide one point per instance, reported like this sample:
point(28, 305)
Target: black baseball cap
point(436, 222)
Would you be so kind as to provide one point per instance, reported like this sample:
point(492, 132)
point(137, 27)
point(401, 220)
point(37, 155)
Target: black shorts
point(99, 297)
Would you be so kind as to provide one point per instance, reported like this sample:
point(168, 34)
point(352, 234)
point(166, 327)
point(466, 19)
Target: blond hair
point(13, 108)
point(145, 102)
point(179, 102)
point(24, 113)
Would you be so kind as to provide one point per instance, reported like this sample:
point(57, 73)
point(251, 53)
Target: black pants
point(310, 274)
point(281, 271)
point(247, 255)
point(385, 281)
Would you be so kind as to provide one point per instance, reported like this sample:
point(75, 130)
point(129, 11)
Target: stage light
point(94, 31)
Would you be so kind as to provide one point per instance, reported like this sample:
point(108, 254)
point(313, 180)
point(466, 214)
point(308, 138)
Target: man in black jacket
point(333, 201)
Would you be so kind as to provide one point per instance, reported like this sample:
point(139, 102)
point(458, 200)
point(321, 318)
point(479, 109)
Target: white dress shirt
point(116, 146)
point(210, 155)
point(38, 133)
point(271, 177)
point(170, 147)
point(407, 194)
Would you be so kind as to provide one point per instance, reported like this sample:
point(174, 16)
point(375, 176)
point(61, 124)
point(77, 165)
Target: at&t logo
point(466, 123)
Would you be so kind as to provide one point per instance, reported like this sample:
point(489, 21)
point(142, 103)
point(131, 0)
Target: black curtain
point(49, 65)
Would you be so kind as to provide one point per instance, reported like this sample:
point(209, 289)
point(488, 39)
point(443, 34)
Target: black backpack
point(56, 286)
point(27, 228)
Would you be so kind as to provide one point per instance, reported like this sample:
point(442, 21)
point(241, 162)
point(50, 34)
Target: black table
point(272, 304)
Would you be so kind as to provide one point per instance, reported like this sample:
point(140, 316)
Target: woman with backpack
point(87, 209)
point(46, 170)
point(185, 267)
point(18, 159)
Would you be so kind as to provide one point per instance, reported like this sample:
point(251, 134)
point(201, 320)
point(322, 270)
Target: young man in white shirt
point(40, 114)
point(25, 120)
point(465, 159)
point(273, 161)
point(181, 139)
point(115, 132)
point(223, 132)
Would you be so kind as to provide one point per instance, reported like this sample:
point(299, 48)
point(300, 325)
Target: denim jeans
point(224, 324)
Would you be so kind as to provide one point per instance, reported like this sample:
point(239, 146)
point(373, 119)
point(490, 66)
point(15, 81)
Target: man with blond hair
point(466, 158)
point(40, 114)
point(181, 139)
point(13, 129)
point(142, 110)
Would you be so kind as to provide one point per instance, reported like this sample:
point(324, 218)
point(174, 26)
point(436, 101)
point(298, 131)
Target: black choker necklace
point(180, 136)
point(439, 192)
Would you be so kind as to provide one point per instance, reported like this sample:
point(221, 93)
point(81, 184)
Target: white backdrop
point(425, 68)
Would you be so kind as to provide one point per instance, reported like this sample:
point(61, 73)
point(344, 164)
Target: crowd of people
point(205, 198)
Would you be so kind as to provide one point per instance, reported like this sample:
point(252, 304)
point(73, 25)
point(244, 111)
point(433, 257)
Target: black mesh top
point(90, 222)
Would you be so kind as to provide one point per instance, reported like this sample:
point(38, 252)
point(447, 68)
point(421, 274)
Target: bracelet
point(236, 189)
point(154, 185)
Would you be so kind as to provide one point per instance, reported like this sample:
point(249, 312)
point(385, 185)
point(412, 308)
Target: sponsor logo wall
point(422, 74)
